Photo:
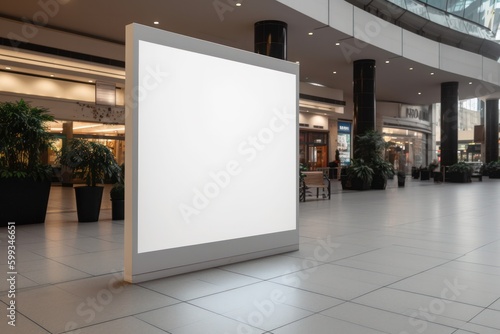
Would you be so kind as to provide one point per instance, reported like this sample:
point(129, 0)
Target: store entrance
point(405, 148)
point(314, 149)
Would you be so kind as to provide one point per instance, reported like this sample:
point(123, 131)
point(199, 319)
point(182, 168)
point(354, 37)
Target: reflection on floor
point(420, 259)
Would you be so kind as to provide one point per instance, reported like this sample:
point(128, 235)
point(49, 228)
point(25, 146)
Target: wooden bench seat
point(314, 179)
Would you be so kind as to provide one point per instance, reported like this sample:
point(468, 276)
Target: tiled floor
point(420, 259)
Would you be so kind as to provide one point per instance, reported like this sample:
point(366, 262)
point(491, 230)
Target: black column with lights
point(449, 123)
point(270, 38)
point(364, 97)
point(491, 136)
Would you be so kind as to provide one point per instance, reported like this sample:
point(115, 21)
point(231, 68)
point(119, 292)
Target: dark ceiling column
point(270, 38)
point(449, 123)
point(364, 97)
point(491, 131)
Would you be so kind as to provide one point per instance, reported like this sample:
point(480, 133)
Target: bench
point(314, 179)
point(477, 175)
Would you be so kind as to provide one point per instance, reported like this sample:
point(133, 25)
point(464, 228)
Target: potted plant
point(382, 170)
point(92, 162)
point(24, 179)
point(359, 175)
point(460, 172)
point(492, 169)
point(401, 178)
point(117, 195)
point(370, 149)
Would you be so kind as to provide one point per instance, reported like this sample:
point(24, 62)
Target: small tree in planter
point(359, 176)
point(370, 148)
point(93, 162)
point(117, 194)
point(460, 172)
point(492, 169)
point(24, 179)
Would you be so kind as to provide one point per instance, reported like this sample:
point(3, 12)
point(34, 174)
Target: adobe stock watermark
point(265, 308)
point(150, 79)
point(420, 319)
point(88, 309)
point(41, 18)
point(366, 34)
point(247, 151)
point(221, 7)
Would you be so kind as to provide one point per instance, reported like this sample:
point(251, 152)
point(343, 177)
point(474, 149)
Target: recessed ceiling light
point(156, 22)
point(470, 82)
point(238, 4)
point(297, 62)
point(411, 68)
point(334, 72)
point(419, 93)
point(90, 81)
point(432, 73)
point(52, 75)
point(316, 84)
point(8, 68)
point(387, 61)
point(338, 43)
point(311, 33)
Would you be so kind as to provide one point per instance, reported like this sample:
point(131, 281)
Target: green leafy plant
point(24, 136)
point(117, 192)
point(370, 147)
point(492, 167)
point(382, 167)
point(460, 167)
point(360, 170)
point(90, 161)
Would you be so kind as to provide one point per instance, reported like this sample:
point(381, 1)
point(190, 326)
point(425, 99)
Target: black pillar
point(449, 123)
point(491, 128)
point(270, 38)
point(364, 97)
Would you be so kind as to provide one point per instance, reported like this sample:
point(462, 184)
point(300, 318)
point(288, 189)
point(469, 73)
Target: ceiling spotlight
point(470, 82)
point(156, 22)
point(90, 81)
point(52, 75)
point(8, 68)
point(311, 33)
point(337, 44)
point(334, 72)
point(238, 4)
point(419, 93)
point(411, 68)
point(387, 61)
point(432, 73)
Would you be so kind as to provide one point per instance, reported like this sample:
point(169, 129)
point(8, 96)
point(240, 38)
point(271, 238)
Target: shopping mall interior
point(423, 258)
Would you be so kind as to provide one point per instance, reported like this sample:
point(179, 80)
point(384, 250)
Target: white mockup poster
point(211, 155)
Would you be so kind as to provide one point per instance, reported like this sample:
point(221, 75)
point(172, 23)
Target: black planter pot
point(117, 209)
point(495, 174)
point(358, 184)
point(379, 182)
point(459, 177)
point(401, 180)
point(88, 203)
point(23, 201)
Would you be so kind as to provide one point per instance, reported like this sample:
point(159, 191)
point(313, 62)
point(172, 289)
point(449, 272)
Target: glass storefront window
point(406, 148)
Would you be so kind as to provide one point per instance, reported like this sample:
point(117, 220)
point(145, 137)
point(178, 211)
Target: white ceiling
point(318, 55)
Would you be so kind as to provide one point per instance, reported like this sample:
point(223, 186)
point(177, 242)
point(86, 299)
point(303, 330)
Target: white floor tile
point(336, 281)
point(488, 318)
point(320, 324)
point(128, 325)
point(387, 322)
point(199, 284)
point(188, 319)
point(266, 305)
point(416, 306)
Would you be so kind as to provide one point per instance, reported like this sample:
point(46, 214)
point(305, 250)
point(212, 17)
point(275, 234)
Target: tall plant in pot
point(93, 162)
point(24, 179)
point(117, 195)
point(370, 147)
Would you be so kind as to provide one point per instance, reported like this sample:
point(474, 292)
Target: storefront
point(408, 136)
point(313, 149)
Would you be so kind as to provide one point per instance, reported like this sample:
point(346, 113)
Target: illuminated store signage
point(421, 113)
